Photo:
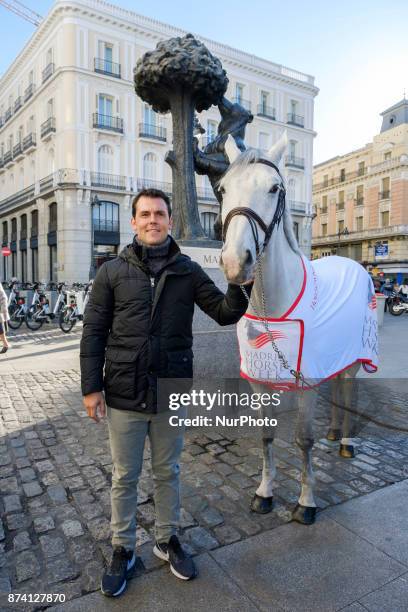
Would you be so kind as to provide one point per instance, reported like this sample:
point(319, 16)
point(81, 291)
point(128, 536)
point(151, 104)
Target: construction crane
point(22, 11)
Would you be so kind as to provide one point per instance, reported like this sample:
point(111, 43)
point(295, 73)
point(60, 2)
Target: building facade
point(76, 143)
point(361, 200)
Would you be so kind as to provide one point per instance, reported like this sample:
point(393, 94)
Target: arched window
point(106, 217)
point(149, 166)
point(207, 221)
point(105, 159)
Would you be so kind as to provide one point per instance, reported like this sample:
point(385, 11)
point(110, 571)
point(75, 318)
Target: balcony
point(145, 183)
point(29, 143)
point(106, 122)
point(356, 236)
point(244, 103)
point(18, 151)
point(295, 162)
point(323, 210)
point(18, 104)
point(48, 72)
point(297, 207)
point(29, 92)
point(359, 201)
point(361, 171)
point(7, 115)
point(384, 195)
point(340, 206)
point(293, 119)
point(156, 132)
point(1, 164)
point(106, 225)
point(48, 128)
point(112, 181)
point(266, 111)
point(103, 66)
point(47, 183)
point(204, 193)
point(8, 158)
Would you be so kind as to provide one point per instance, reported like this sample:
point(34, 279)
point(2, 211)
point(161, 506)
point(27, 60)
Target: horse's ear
point(231, 149)
point(277, 150)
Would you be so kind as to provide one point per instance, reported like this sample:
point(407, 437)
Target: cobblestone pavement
point(55, 473)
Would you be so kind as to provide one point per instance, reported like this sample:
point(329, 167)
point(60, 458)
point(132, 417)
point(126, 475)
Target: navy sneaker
point(181, 564)
point(120, 570)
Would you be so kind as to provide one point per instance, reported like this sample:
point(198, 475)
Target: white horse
point(253, 193)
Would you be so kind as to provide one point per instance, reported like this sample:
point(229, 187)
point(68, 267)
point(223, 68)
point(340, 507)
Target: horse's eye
point(274, 189)
point(222, 190)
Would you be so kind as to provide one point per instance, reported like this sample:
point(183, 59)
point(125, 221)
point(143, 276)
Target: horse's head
point(255, 186)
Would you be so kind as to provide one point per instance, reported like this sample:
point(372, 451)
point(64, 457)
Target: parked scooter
point(398, 304)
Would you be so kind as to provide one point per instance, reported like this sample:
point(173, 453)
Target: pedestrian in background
point(4, 317)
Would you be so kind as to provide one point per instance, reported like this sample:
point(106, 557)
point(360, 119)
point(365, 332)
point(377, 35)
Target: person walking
point(138, 329)
point(4, 317)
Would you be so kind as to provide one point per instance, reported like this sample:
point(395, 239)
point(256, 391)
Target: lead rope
point(297, 374)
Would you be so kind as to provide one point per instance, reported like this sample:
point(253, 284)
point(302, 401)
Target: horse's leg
point(263, 499)
point(305, 510)
point(334, 432)
point(348, 396)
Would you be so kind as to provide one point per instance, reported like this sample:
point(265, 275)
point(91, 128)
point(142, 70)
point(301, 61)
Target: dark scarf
point(154, 256)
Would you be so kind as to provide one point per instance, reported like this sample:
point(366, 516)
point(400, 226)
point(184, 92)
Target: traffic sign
point(5, 251)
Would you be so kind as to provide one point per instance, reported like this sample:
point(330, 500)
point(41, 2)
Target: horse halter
point(254, 219)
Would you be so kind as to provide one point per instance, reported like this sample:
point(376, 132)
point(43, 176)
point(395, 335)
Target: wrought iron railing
point(294, 119)
point(48, 126)
point(146, 183)
point(105, 225)
point(18, 104)
point(8, 157)
point(266, 111)
point(29, 92)
point(149, 130)
point(245, 103)
point(296, 162)
point(17, 149)
point(384, 195)
point(48, 72)
point(104, 66)
point(112, 181)
point(29, 141)
point(107, 122)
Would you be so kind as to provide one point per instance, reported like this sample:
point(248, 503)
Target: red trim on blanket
point(295, 303)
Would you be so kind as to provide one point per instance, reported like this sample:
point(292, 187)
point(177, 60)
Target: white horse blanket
point(331, 325)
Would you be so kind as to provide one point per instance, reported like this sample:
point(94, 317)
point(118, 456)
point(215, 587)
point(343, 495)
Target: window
point(387, 155)
point(106, 54)
point(105, 105)
point(324, 229)
point(50, 108)
point(361, 169)
point(340, 226)
point(105, 159)
point(385, 188)
point(20, 134)
point(207, 221)
point(106, 217)
point(293, 107)
point(239, 93)
point(34, 223)
point(51, 161)
point(359, 224)
point(34, 265)
point(342, 175)
point(31, 77)
point(360, 195)
point(211, 130)
point(341, 200)
point(149, 166)
point(53, 217)
point(324, 204)
point(385, 218)
point(149, 116)
point(264, 102)
point(49, 57)
point(325, 180)
point(292, 149)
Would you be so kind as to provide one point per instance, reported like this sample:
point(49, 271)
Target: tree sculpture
point(182, 76)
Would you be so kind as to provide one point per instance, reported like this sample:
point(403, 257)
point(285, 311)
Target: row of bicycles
point(68, 309)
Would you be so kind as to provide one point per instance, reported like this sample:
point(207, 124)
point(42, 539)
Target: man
point(138, 325)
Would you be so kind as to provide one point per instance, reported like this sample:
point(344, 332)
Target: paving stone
point(22, 462)
point(2, 534)
point(8, 485)
point(91, 576)
point(145, 513)
point(226, 534)
point(211, 517)
point(142, 536)
point(17, 521)
point(201, 539)
point(99, 528)
point(57, 494)
point(186, 519)
point(27, 566)
point(72, 529)
point(11, 503)
point(32, 489)
point(22, 541)
point(44, 466)
point(82, 550)
point(52, 546)
point(27, 474)
point(90, 511)
point(43, 524)
point(61, 569)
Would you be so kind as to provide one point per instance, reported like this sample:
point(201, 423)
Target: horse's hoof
point(346, 451)
point(304, 514)
point(261, 505)
point(333, 435)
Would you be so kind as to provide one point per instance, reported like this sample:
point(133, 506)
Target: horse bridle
point(253, 217)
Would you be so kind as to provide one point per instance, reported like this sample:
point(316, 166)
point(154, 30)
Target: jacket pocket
point(121, 370)
point(180, 364)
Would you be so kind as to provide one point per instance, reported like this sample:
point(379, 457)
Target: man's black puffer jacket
point(145, 325)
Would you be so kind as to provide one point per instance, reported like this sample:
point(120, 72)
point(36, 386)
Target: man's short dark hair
point(151, 193)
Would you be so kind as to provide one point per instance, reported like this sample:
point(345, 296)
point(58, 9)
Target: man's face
point(152, 222)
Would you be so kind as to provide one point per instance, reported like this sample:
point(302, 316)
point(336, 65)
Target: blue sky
point(356, 50)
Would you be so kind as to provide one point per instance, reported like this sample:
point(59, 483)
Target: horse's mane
point(250, 156)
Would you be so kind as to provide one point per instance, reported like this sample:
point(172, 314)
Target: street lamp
point(92, 270)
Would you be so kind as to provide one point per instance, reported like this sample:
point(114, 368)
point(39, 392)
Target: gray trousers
point(127, 434)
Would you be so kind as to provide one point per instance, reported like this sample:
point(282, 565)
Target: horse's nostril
point(248, 259)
